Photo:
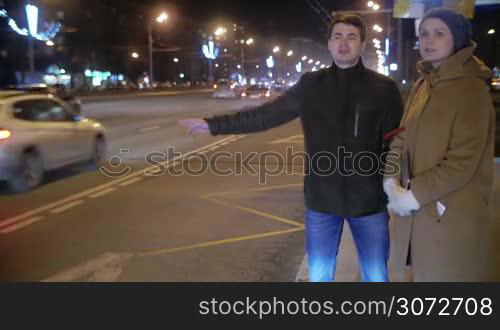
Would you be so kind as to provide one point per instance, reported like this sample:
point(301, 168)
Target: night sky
point(104, 30)
point(290, 18)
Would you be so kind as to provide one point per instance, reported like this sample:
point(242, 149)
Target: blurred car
point(58, 90)
point(256, 91)
point(278, 89)
point(495, 84)
point(227, 89)
point(40, 132)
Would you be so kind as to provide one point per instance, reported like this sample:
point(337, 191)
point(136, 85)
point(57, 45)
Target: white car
point(40, 132)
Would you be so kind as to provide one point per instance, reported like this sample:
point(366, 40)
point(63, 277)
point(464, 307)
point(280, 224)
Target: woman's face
point(436, 41)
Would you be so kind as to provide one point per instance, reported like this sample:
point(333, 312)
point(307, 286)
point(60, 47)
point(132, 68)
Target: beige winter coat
point(449, 134)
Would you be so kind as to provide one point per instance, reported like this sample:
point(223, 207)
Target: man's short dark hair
point(349, 19)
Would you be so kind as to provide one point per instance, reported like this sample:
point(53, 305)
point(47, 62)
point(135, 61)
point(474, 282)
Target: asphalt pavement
point(226, 214)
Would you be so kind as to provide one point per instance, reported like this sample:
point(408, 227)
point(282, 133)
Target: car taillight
point(4, 134)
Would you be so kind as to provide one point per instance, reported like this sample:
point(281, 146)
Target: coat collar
point(452, 68)
point(358, 68)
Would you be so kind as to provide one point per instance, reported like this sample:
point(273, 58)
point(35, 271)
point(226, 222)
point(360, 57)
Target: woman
point(447, 149)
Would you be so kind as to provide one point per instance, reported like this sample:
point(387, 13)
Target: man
point(346, 109)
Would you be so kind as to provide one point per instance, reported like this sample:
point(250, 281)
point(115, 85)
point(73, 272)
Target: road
point(83, 225)
point(202, 219)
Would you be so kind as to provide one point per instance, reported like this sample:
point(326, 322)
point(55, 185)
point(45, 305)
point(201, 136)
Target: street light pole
point(243, 59)
point(31, 53)
point(150, 44)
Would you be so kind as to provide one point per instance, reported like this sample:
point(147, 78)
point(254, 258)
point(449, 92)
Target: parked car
point(40, 132)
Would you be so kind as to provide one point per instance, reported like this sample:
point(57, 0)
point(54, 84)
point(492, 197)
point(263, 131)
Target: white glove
point(390, 187)
point(401, 201)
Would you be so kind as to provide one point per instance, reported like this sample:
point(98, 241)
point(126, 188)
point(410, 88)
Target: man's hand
point(195, 126)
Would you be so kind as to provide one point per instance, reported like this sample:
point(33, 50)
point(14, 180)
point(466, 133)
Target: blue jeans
point(371, 236)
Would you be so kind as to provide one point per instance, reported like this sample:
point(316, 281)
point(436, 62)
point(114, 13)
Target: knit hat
point(459, 25)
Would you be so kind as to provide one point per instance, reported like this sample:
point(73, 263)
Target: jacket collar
point(359, 67)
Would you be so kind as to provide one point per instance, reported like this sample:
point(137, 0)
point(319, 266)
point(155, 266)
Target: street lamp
point(135, 55)
point(376, 7)
point(370, 4)
point(290, 53)
point(249, 41)
point(304, 58)
point(377, 28)
point(176, 60)
point(311, 61)
point(276, 49)
point(211, 52)
point(50, 43)
point(220, 31)
point(270, 62)
point(160, 19)
point(491, 31)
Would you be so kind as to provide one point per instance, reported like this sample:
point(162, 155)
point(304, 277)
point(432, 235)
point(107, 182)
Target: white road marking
point(85, 193)
point(21, 225)
point(66, 207)
point(149, 129)
point(102, 193)
point(294, 139)
point(108, 274)
point(128, 183)
point(95, 268)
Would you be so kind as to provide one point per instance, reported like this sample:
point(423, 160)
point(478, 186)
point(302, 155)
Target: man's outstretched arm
point(269, 115)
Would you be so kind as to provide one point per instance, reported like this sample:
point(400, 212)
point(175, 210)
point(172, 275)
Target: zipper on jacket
point(356, 122)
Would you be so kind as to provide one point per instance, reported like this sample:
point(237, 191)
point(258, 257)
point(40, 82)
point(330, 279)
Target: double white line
point(33, 216)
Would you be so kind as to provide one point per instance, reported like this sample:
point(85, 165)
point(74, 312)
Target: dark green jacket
point(345, 114)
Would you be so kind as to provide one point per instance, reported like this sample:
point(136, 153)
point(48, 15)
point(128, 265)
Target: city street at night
point(161, 140)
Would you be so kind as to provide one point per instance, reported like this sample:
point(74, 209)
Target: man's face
point(345, 44)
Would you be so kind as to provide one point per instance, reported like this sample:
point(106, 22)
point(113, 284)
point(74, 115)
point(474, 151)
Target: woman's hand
point(401, 201)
